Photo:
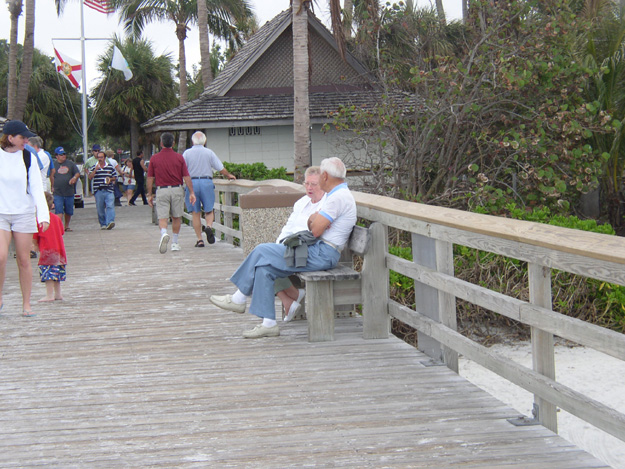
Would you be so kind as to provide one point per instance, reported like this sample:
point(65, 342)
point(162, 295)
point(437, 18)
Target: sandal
point(28, 314)
point(199, 244)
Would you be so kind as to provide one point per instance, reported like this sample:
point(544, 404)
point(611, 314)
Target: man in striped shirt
point(103, 176)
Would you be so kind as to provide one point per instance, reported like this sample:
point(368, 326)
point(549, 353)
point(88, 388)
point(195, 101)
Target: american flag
point(103, 6)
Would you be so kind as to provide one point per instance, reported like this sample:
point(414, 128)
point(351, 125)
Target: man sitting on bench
point(255, 277)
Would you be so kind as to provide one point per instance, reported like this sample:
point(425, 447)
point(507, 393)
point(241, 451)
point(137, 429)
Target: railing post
point(228, 197)
point(543, 357)
point(440, 307)
point(375, 287)
point(446, 301)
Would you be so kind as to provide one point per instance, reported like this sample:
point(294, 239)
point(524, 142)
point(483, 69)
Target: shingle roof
point(228, 101)
point(249, 53)
point(226, 111)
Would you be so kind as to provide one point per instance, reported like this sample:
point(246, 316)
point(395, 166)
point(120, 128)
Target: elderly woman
point(22, 205)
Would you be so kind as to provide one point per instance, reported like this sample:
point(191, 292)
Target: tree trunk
point(441, 11)
point(134, 137)
point(27, 60)
point(348, 17)
point(205, 55)
point(301, 115)
point(465, 11)
point(181, 32)
point(15, 10)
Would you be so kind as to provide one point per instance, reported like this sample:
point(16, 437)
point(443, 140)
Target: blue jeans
point(256, 275)
point(105, 203)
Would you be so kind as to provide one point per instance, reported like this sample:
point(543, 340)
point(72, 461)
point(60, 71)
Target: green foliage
point(257, 171)
point(501, 116)
point(52, 102)
point(591, 300)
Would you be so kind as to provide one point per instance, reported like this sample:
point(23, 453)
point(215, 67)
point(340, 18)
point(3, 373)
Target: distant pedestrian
point(45, 159)
point(168, 171)
point(128, 182)
point(104, 176)
point(52, 256)
point(22, 205)
point(110, 156)
point(63, 179)
point(139, 168)
point(201, 163)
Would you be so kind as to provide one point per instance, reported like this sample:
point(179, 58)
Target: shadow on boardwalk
point(137, 368)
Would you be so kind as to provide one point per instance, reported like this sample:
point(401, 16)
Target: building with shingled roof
point(247, 111)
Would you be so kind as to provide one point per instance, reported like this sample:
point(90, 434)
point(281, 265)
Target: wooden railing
point(434, 232)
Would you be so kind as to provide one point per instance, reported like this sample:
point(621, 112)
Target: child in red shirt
point(52, 257)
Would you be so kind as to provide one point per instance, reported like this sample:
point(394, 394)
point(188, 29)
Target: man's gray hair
point(312, 171)
point(334, 167)
point(198, 138)
point(167, 139)
point(36, 142)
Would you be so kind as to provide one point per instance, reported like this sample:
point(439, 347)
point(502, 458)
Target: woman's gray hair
point(312, 171)
point(334, 167)
point(198, 138)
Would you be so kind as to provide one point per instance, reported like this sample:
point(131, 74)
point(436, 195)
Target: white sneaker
point(162, 247)
point(225, 302)
point(262, 331)
point(175, 247)
point(301, 293)
point(293, 310)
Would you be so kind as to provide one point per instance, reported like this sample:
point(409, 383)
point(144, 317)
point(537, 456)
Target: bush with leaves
point(257, 171)
point(505, 120)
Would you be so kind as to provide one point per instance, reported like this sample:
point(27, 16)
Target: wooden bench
point(326, 289)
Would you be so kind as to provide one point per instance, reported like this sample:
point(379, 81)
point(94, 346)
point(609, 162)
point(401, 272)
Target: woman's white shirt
point(14, 199)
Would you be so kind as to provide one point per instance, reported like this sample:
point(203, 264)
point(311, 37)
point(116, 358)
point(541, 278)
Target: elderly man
point(201, 163)
point(63, 179)
point(255, 277)
point(168, 170)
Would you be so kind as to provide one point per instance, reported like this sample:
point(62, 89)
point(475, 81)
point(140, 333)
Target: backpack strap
point(26, 155)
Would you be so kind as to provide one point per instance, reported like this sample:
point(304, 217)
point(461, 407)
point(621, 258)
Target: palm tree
point(224, 19)
point(301, 114)
point(121, 105)
point(27, 60)
point(15, 10)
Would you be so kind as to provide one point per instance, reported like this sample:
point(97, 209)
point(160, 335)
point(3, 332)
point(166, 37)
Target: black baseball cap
point(17, 128)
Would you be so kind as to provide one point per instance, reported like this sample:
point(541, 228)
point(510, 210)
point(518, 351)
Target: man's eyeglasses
point(311, 184)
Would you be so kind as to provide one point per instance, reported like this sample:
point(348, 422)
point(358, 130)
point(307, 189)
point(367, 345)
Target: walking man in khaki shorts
point(168, 170)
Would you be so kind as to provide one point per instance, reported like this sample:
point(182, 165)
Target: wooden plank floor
point(137, 369)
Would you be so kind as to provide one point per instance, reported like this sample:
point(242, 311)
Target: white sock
point(163, 231)
point(239, 298)
point(269, 322)
point(174, 238)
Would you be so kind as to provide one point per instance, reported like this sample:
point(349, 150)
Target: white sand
point(592, 373)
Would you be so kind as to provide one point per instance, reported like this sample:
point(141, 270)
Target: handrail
point(434, 232)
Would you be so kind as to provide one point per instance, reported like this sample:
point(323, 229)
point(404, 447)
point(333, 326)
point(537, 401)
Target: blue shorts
point(128, 187)
point(204, 190)
point(56, 273)
point(64, 204)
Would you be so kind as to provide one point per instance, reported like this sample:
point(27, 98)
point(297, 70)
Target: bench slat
point(340, 272)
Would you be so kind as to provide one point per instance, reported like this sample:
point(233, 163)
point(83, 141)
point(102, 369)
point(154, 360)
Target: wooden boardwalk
point(137, 369)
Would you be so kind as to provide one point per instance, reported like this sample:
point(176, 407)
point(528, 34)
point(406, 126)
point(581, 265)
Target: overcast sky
point(50, 29)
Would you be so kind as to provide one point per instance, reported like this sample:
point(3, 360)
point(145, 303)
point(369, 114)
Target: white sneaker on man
point(262, 331)
point(162, 247)
point(225, 302)
point(175, 247)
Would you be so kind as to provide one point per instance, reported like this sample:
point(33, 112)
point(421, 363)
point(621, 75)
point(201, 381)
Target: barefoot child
point(52, 257)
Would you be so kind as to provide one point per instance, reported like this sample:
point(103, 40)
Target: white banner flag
point(119, 63)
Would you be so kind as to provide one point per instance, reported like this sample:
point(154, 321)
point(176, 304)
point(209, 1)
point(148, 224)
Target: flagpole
point(84, 93)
